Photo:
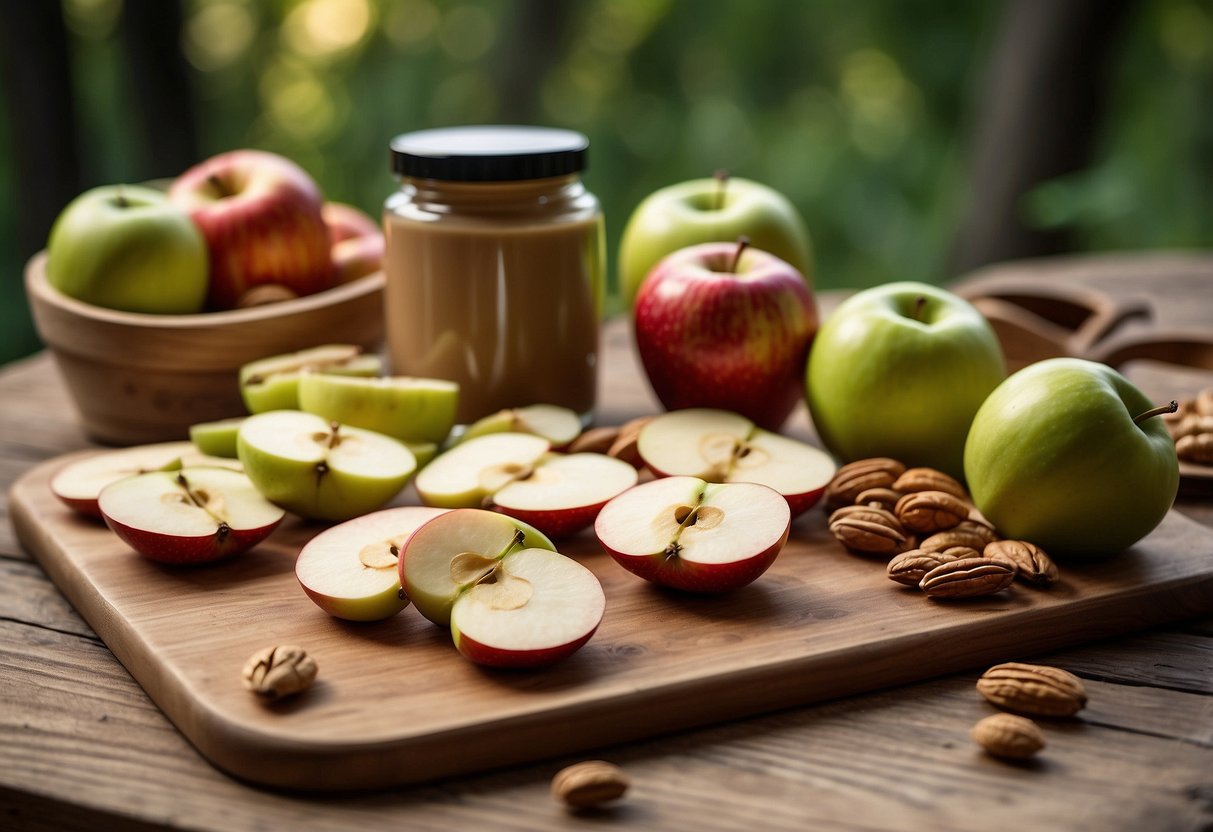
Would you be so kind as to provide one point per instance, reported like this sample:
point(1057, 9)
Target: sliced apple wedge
point(273, 383)
point(351, 570)
point(409, 409)
point(216, 438)
point(510, 599)
point(558, 425)
point(320, 469)
point(79, 483)
point(194, 515)
point(696, 536)
point(476, 469)
point(720, 446)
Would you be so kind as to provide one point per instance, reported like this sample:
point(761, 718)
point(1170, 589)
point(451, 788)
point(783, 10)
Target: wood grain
point(396, 704)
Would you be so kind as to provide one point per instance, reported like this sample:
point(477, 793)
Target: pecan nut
point(1196, 448)
point(1008, 736)
point(967, 578)
point(1039, 690)
point(1029, 560)
point(911, 567)
point(594, 441)
point(856, 477)
point(280, 671)
point(868, 536)
point(885, 498)
point(929, 479)
point(589, 784)
point(931, 511)
point(965, 533)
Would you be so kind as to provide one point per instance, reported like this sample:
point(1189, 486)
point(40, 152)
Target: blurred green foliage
point(859, 112)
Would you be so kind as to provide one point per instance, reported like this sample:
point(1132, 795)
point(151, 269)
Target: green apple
point(127, 247)
point(706, 211)
point(321, 469)
point(410, 409)
point(558, 425)
point(1070, 455)
point(217, 438)
point(273, 383)
point(899, 370)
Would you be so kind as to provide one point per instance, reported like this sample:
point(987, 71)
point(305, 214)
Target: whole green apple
point(899, 370)
point(127, 247)
point(1070, 455)
point(710, 210)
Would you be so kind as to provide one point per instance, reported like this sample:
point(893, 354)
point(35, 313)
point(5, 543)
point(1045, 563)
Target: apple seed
point(382, 555)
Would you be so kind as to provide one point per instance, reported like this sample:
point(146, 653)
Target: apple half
point(320, 469)
point(351, 570)
point(695, 536)
point(78, 484)
point(721, 446)
point(273, 383)
point(558, 425)
point(409, 409)
point(514, 473)
point(194, 515)
point(216, 438)
point(509, 598)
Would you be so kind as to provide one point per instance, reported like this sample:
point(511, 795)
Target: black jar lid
point(497, 153)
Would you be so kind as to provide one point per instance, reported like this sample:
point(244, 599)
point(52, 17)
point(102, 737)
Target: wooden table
point(83, 747)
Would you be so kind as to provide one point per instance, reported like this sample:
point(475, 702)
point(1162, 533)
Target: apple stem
point(1156, 411)
point(519, 539)
point(334, 441)
point(722, 182)
point(743, 242)
point(120, 198)
point(919, 303)
point(219, 185)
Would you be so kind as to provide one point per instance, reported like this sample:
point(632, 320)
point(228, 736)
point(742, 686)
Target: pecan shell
point(1033, 689)
point(967, 578)
point(1196, 448)
point(868, 536)
point(965, 533)
point(885, 498)
point(856, 477)
point(931, 511)
point(929, 479)
point(911, 567)
point(1029, 560)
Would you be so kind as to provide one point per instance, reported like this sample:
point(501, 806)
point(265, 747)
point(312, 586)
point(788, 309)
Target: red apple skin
point(701, 578)
point(562, 523)
point(736, 341)
point(797, 503)
point(344, 222)
point(357, 257)
point(517, 659)
point(182, 551)
point(86, 506)
point(261, 216)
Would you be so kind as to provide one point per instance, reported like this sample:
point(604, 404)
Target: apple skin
point(685, 214)
point(882, 383)
point(345, 222)
point(357, 257)
point(261, 216)
point(555, 524)
point(1054, 457)
point(514, 660)
point(129, 248)
point(709, 337)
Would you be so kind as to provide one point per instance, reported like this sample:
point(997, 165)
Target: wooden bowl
point(139, 378)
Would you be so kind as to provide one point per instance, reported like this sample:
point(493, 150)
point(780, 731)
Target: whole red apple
point(726, 326)
point(261, 216)
point(356, 257)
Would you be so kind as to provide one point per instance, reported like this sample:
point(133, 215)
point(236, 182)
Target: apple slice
point(425, 564)
point(476, 469)
point(720, 446)
point(273, 383)
point(696, 536)
point(320, 469)
point(78, 483)
point(558, 425)
point(351, 570)
point(194, 515)
point(216, 438)
point(409, 409)
point(564, 493)
point(508, 597)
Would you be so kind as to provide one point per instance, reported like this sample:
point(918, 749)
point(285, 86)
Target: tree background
point(893, 127)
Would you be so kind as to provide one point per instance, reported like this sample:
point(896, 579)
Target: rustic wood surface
point(81, 745)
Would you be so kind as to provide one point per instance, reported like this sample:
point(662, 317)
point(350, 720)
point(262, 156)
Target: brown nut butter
point(495, 264)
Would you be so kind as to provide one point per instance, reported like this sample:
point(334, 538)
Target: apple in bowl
point(723, 447)
point(510, 599)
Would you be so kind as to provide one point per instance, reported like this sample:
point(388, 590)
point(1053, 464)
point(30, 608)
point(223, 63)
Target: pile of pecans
point(1026, 690)
point(1191, 426)
point(924, 522)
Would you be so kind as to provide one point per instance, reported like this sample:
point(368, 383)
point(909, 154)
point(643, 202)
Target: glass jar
point(495, 265)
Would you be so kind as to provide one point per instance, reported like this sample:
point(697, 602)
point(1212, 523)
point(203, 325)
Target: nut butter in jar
point(495, 266)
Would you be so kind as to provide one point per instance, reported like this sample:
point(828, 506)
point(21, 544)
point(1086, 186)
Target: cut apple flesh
point(540, 607)
point(434, 568)
point(273, 383)
point(562, 494)
point(410, 409)
point(720, 446)
point(351, 570)
point(558, 425)
point(78, 483)
point(473, 470)
point(188, 516)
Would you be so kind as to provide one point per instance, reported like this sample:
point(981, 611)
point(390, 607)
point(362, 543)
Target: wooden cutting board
point(394, 702)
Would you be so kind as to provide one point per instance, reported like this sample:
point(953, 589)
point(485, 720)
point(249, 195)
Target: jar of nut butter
point(495, 266)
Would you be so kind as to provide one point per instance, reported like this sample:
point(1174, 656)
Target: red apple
point(261, 216)
point(357, 257)
point(346, 222)
point(726, 326)
point(688, 534)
